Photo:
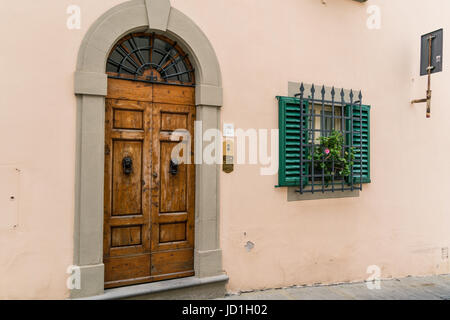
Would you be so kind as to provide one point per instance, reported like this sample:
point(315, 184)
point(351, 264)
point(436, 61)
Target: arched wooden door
point(148, 194)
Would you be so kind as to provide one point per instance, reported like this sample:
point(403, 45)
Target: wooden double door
point(148, 194)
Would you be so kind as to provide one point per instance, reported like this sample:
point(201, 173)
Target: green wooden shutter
point(289, 143)
point(360, 170)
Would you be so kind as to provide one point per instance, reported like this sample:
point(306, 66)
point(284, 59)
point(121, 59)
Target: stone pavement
point(410, 288)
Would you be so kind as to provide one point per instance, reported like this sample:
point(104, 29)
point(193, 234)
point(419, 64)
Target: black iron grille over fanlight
point(150, 57)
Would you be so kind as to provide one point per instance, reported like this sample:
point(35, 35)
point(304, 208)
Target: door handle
point(127, 165)
point(173, 167)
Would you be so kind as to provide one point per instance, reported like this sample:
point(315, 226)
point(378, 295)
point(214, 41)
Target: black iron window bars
point(341, 113)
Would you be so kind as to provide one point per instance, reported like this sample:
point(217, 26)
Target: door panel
point(127, 270)
point(173, 186)
point(173, 121)
point(173, 201)
point(149, 206)
point(131, 90)
point(127, 188)
point(171, 232)
point(126, 236)
point(127, 119)
point(126, 197)
point(169, 262)
point(163, 93)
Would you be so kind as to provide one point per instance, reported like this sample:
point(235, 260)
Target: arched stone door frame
point(91, 88)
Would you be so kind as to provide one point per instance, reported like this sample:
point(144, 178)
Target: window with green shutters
point(354, 125)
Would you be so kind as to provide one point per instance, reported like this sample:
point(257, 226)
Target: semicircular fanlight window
point(150, 57)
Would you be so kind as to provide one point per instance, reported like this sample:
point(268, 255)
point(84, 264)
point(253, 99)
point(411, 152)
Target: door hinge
point(107, 151)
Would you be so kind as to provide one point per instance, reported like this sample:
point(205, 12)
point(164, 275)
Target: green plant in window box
point(332, 148)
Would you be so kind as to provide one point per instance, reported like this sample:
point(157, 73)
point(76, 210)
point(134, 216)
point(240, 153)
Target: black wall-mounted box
point(436, 52)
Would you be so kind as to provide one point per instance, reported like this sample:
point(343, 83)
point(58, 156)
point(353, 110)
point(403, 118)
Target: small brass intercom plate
point(228, 157)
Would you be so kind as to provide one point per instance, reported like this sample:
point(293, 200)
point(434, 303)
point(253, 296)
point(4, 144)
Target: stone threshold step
point(160, 287)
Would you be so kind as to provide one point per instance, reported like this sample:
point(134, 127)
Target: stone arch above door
point(91, 88)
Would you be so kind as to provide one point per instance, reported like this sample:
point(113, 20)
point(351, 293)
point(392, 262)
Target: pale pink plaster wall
point(400, 222)
point(37, 134)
